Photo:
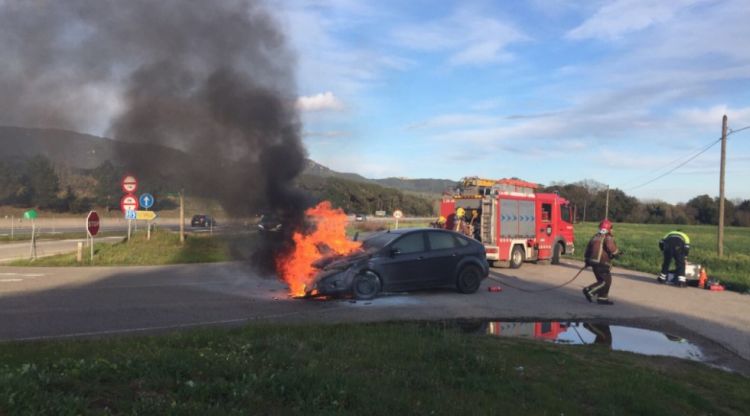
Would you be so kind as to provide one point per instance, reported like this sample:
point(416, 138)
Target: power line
point(691, 158)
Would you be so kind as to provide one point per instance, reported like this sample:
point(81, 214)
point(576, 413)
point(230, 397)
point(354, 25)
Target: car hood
point(339, 263)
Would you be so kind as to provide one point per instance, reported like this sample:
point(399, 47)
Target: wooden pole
point(182, 217)
point(606, 206)
point(720, 238)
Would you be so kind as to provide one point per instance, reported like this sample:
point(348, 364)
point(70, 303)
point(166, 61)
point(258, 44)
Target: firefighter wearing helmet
point(600, 252)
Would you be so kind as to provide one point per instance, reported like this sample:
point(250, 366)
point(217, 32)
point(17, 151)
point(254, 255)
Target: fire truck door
point(544, 231)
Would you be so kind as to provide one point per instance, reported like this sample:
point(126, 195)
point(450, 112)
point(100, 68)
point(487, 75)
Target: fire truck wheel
point(469, 279)
point(556, 253)
point(516, 257)
point(365, 285)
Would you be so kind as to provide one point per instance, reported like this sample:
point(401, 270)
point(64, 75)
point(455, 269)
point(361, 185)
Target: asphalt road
point(41, 303)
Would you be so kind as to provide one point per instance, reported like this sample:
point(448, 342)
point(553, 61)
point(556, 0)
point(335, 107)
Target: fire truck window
point(440, 241)
point(412, 243)
point(565, 213)
point(546, 212)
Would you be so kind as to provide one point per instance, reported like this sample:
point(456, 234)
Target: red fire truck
point(514, 223)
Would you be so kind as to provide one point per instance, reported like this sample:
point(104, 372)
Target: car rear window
point(410, 243)
point(441, 241)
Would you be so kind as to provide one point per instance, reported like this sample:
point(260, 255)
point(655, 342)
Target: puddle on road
point(616, 337)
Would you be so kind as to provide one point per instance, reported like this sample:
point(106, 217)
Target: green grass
point(640, 245)
point(163, 248)
point(375, 369)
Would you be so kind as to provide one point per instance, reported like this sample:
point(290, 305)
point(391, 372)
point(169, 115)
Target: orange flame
point(296, 267)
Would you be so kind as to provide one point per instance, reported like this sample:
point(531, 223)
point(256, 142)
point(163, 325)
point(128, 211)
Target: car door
point(442, 258)
point(402, 264)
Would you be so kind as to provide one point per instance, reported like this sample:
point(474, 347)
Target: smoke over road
point(214, 80)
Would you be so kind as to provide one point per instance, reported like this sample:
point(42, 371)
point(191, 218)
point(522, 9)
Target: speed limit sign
point(398, 214)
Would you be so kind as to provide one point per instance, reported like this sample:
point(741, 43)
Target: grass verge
point(640, 245)
point(19, 238)
point(386, 368)
point(163, 248)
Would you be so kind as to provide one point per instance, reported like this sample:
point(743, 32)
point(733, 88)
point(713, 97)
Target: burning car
point(402, 260)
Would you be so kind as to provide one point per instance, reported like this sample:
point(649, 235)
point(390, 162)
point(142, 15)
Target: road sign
point(130, 215)
point(92, 223)
point(146, 200)
point(30, 214)
point(128, 203)
point(145, 215)
point(129, 184)
point(398, 214)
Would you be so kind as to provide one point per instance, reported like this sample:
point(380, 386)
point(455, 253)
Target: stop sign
point(92, 223)
point(129, 184)
point(128, 203)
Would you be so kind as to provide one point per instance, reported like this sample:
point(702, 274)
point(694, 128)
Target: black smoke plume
point(212, 79)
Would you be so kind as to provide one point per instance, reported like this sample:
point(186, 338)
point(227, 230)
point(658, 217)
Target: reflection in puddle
point(621, 338)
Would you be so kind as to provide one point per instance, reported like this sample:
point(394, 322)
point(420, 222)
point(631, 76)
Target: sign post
point(32, 215)
point(129, 202)
point(92, 228)
point(397, 214)
point(128, 205)
point(146, 200)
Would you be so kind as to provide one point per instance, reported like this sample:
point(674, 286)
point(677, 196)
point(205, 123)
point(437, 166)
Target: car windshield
point(378, 241)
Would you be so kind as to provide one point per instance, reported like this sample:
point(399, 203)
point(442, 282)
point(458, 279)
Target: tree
point(107, 191)
point(43, 182)
point(704, 209)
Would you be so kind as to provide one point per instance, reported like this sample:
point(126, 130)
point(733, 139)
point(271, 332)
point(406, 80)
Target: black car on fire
point(402, 260)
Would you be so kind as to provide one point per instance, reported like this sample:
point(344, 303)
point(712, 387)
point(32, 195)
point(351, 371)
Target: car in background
point(269, 223)
point(402, 260)
point(360, 217)
point(202, 220)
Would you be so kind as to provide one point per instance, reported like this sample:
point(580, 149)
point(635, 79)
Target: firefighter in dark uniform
point(599, 254)
point(675, 245)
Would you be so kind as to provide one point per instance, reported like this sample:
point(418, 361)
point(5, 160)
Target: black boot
point(587, 294)
point(606, 301)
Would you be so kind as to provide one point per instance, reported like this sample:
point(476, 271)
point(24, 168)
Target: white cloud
point(469, 37)
point(621, 17)
point(711, 117)
point(320, 102)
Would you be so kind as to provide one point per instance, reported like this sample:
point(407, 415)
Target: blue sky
point(542, 90)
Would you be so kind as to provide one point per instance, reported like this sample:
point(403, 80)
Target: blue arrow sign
point(146, 200)
point(130, 214)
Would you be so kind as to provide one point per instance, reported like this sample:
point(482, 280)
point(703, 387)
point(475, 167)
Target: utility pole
point(606, 205)
point(182, 217)
point(720, 240)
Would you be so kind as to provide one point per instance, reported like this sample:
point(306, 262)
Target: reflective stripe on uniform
point(680, 234)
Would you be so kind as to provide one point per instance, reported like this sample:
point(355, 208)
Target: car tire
point(556, 253)
point(469, 279)
point(517, 256)
point(366, 285)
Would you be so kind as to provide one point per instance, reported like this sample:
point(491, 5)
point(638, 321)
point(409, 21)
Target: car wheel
point(365, 285)
point(556, 253)
point(516, 257)
point(469, 279)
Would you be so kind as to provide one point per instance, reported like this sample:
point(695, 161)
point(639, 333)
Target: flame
point(296, 267)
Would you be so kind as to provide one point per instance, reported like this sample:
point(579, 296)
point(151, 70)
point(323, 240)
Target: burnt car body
point(402, 260)
point(202, 220)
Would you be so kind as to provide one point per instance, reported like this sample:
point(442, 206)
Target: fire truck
point(514, 223)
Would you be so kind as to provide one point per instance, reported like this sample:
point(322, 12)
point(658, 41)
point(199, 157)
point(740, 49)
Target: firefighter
point(439, 223)
point(675, 245)
point(462, 225)
point(600, 252)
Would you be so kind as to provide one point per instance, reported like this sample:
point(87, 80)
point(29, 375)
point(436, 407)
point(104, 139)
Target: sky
point(617, 91)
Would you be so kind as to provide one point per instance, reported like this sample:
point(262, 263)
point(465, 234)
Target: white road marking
point(10, 280)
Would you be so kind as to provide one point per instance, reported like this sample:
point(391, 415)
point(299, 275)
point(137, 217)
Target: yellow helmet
point(441, 220)
point(460, 212)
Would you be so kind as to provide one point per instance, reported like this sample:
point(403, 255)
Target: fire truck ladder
point(488, 220)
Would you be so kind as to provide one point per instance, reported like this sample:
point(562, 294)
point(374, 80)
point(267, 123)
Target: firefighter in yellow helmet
point(439, 222)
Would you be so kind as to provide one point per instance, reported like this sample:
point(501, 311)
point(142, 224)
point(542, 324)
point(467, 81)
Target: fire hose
point(549, 288)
